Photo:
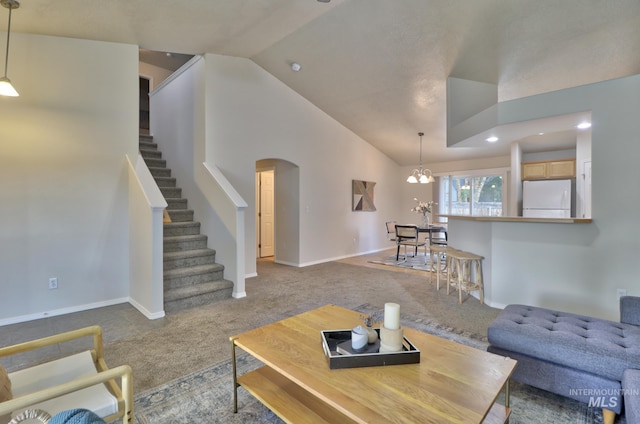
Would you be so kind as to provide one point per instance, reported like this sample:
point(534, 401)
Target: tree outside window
point(475, 195)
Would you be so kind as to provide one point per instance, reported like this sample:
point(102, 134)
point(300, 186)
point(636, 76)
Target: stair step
point(150, 154)
point(147, 145)
point(181, 243)
point(156, 163)
point(159, 172)
point(165, 181)
point(191, 275)
point(181, 215)
point(185, 228)
point(181, 277)
point(171, 192)
point(197, 295)
point(176, 204)
point(188, 258)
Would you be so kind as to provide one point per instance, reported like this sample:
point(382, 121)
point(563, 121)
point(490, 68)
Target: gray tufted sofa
point(576, 356)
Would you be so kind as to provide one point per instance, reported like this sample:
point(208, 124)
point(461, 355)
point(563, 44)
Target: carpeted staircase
point(191, 275)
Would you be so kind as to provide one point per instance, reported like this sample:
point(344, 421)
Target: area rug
point(206, 396)
point(420, 261)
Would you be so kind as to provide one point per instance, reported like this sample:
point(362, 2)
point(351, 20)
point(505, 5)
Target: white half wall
point(573, 267)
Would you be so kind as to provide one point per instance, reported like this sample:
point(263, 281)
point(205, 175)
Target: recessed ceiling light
point(295, 67)
point(492, 139)
point(584, 125)
point(540, 133)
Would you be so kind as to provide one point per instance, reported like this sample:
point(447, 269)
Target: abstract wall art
point(363, 195)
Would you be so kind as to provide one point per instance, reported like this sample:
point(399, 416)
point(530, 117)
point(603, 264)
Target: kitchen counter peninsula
point(525, 259)
point(520, 219)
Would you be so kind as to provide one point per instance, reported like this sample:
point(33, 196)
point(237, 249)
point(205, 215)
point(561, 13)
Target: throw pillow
point(5, 392)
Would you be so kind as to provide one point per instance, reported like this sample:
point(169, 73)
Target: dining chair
point(438, 236)
point(391, 230)
point(408, 235)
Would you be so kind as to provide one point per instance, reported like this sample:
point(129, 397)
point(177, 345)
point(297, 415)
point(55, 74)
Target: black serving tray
point(332, 338)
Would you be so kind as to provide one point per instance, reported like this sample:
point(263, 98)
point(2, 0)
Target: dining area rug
point(420, 261)
point(207, 395)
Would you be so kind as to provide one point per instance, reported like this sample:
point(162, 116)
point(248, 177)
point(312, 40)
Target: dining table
point(432, 229)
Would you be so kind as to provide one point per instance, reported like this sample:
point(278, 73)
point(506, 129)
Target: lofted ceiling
point(378, 66)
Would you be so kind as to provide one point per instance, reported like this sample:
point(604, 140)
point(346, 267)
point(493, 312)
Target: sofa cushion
point(631, 390)
point(597, 346)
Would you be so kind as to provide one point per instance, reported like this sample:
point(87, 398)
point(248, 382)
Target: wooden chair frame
point(104, 375)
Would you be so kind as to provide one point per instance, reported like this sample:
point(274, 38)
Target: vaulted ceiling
point(377, 66)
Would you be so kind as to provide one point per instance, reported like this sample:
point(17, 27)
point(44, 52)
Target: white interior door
point(265, 214)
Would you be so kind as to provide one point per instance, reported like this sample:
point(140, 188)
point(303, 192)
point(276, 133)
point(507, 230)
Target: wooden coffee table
point(452, 383)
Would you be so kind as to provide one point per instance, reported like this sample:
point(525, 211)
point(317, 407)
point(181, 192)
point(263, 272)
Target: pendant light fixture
point(6, 89)
point(421, 175)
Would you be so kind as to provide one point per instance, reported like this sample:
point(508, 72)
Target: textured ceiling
point(377, 66)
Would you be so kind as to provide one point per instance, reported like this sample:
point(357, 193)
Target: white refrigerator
point(546, 199)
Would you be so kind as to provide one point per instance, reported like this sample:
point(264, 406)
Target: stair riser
point(202, 299)
point(165, 182)
point(160, 172)
point(181, 215)
point(189, 230)
point(171, 192)
point(187, 262)
point(181, 246)
point(156, 163)
point(188, 280)
point(176, 204)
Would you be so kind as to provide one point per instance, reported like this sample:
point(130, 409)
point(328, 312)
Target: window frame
point(471, 173)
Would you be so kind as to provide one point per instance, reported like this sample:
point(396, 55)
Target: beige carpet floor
point(186, 341)
point(189, 340)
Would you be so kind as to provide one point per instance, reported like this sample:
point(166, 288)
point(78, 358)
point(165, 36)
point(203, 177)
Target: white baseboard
point(145, 312)
point(62, 311)
point(335, 258)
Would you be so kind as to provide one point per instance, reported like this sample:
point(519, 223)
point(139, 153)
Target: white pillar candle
point(392, 316)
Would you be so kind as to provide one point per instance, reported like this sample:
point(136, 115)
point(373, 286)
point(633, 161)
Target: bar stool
point(463, 267)
point(438, 258)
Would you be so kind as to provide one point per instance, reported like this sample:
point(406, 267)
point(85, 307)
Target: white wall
point(251, 116)
point(231, 113)
point(63, 175)
point(155, 74)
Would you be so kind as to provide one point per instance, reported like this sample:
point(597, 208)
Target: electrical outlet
point(621, 293)
point(53, 283)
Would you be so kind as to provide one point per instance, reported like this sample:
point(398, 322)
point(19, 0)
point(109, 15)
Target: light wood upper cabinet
point(548, 170)
point(534, 170)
